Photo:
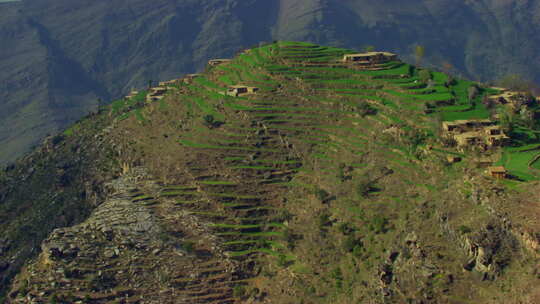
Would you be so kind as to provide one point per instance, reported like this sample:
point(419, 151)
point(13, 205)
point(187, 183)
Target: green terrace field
point(296, 156)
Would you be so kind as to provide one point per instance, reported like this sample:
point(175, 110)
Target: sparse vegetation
point(325, 184)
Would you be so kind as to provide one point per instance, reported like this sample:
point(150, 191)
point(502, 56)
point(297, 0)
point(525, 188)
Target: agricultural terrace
point(251, 162)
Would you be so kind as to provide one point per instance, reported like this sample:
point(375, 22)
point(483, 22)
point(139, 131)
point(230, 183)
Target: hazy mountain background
point(59, 58)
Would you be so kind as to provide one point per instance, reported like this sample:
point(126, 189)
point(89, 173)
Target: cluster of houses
point(477, 133)
point(482, 133)
point(240, 90)
point(512, 98)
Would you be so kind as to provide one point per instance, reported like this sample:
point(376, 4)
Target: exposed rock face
point(120, 252)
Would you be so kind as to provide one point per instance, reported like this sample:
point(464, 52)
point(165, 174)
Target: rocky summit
point(291, 173)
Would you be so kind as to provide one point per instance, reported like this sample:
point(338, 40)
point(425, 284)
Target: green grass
point(517, 163)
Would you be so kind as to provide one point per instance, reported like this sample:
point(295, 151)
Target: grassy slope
point(309, 188)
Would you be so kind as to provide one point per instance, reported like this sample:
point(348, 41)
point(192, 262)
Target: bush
point(345, 228)
point(450, 82)
point(188, 246)
point(350, 243)
point(322, 194)
point(357, 250)
point(464, 229)
point(424, 76)
point(472, 92)
point(365, 109)
point(364, 187)
point(337, 275)
point(210, 122)
point(324, 220)
point(239, 291)
point(378, 224)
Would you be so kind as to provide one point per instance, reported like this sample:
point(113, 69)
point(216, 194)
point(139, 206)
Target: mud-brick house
point(495, 136)
point(498, 172)
point(156, 94)
point(216, 62)
point(468, 139)
point(239, 90)
point(460, 126)
point(370, 57)
point(132, 94)
point(168, 82)
point(451, 159)
point(514, 98)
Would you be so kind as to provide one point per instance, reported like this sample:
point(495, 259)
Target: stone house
point(216, 62)
point(239, 90)
point(513, 98)
point(460, 126)
point(453, 159)
point(168, 82)
point(479, 132)
point(498, 172)
point(468, 139)
point(370, 57)
point(132, 94)
point(156, 94)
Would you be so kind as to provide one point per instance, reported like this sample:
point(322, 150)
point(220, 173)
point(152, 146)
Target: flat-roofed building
point(498, 172)
point(216, 62)
point(370, 57)
point(239, 90)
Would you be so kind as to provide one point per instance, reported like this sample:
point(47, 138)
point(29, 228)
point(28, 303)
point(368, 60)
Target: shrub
point(464, 229)
point(282, 261)
point(322, 194)
point(188, 246)
point(365, 109)
point(357, 250)
point(210, 122)
point(450, 82)
point(239, 291)
point(472, 92)
point(345, 228)
point(424, 76)
point(378, 224)
point(364, 187)
point(350, 243)
point(324, 220)
point(337, 275)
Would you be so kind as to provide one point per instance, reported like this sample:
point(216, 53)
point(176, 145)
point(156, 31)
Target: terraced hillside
point(329, 184)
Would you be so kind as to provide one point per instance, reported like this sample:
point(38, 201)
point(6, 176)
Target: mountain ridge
point(99, 53)
point(333, 181)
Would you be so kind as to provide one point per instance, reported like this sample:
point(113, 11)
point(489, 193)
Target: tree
point(424, 76)
point(527, 117)
point(472, 92)
point(507, 119)
point(419, 52)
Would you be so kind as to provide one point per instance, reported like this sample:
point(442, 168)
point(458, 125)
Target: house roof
point(497, 169)
point(369, 54)
point(465, 135)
